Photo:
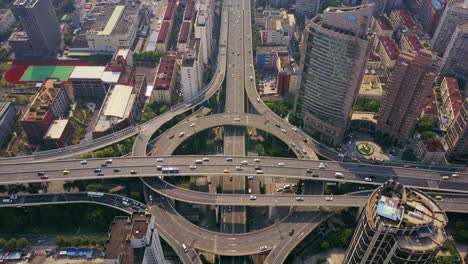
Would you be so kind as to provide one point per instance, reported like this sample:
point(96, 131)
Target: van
point(6, 201)
point(339, 175)
point(198, 162)
point(185, 248)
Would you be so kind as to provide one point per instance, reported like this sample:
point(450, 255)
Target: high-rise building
point(334, 57)
point(41, 26)
point(455, 61)
point(411, 80)
point(430, 13)
point(398, 225)
point(308, 8)
point(204, 28)
point(456, 138)
point(455, 14)
point(379, 5)
point(191, 72)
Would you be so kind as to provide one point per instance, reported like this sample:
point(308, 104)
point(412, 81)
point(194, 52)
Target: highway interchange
point(236, 34)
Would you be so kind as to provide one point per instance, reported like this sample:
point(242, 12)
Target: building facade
point(7, 120)
point(388, 51)
point(59, 133)
point(164, 82)
point(334, 58)
point(398, 225)
point(410, 42)
point(308, 8)
point(287, 75)
point(455, 61)
point(41, 28)
point(455, 14)
point(411, 80)
point(204, 28)
point(452, 101)
point(456, 139)
point(191, 72)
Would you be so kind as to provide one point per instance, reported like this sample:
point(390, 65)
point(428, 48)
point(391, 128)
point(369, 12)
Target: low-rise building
point(382, 26)
point(430, 109)
point(49, 103)
point(452, 100)
point(164, 82)
point(183, 41)
point(371, 87)
point(374, 62)
point(7, 19)
point(401, 19)
point(410, 42)
point(170, 10)
point(7, 120)
point(267, 55)
point(388, 51)
point(189, 12)
point(430, 151)
point(287, 74)
point(59, 133)
point(133, 240)
point(163, 36)
point(278, 32)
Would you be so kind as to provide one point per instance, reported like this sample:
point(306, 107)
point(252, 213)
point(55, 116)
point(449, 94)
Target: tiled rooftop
point(413, 41)
point(456, 97)
point(164, 73)
point(383, 22)
point(169, 11)
point(390, 47)
point(407, 19)
point(163, 32)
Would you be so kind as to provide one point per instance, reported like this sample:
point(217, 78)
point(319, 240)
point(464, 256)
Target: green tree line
point(84, 241)
point(13, 243)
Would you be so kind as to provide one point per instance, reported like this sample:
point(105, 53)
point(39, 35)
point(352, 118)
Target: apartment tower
point(455, 57)
point(40, 24)
point(456, 138)
point(455, 14)
point(334, 56)
point(398, 225)
point(411, 80)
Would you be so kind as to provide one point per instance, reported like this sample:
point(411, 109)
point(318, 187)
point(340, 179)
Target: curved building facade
point(398, 225)
point(334, 58)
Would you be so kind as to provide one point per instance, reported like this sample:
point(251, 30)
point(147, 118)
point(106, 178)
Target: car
point(159, 160)
point(407, 166)
point(258, 168)
point(284, 130)
point(256, 160)
point(83, 162)
point(229, 209)
point(227, 171)
point(277, 125)
point(367, 179)
point(280, 189)
point(455, 175)
point(108, 161)
point(44, 177)
point(41, 173)
point(66, 172)
point(291, 232)
point(315, 175)
point(229, 159)
point(250, 65)
point(171, 136)
point(133, 172)
point(263, 248)
point(292, 144)
point(159, 167)
point(354, 159)
point(206, 159)
point(361, 165)
point(244, 162)
point(236, 119)
point(253, 197)
point(281, 164)
point(117, 170)
point(104, 165)
point(438, 197)
point(258, 99)
point(294, 129)
point(238, 168)
point(192, 167)
point(249, 177)
point(309, 170)
point(97, 170)
point(445, 178)
point(192, 125)
point(322, 165)
point(100, 174)
point(181, 134)
point(329, 198)
point(299, 198)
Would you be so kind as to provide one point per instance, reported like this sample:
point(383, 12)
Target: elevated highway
point(293, 168)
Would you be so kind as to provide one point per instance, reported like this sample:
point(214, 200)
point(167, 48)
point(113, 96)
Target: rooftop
point(184, 32)
point(407, 19)
point(163, 32)
point(456, 97)
point(413, 41)
point(87, 72)
point(270, 49)
point(287, 64)
point(117, 245)
point(117, 107)
point(374, 56)
point(56, 129)
point(3, 11)
point(429, 105)
point(189, 10)
point(43, 99)
point(391, 48)
point(18, 36)
point(169, 10)
point(383, 22)
point(165, 72)
point(433, 146)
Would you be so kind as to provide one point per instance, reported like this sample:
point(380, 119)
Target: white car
point(83, 162)
point(322, 165)
point(299, 198)
point(192, 167)
point(284, 130)
point(367, 179)
point(108, 161)
point(257, 160)
point(281, 164)
point(159, 160)
point(253, 197)
point(192, 125)
point(206, 159)
point(294, 129)
point(236, 119)
point(181, 134)
point(328, 198)
point(280, 189)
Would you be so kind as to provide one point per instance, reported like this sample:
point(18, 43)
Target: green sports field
point(40, 73)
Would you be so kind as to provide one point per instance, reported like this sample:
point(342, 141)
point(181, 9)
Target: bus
point(168, 170)
point(96, 194)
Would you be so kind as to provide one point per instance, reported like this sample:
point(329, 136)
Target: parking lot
point(267, 83)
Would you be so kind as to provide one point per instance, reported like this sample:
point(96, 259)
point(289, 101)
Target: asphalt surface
point(293, 168)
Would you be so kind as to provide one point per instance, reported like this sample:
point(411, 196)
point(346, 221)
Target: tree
point(408, 155)
point(2, 242)
point(21, 243)
point(11, 244)
point(60, 241)
point(428, 135)
point(324, 245)
point(424, 124)
point(163, 109)
point(97, 187)
point(260, 150)
point(210, 144)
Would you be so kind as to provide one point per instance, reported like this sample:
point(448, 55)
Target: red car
point(44, 177)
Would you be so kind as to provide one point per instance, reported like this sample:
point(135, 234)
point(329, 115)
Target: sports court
point(40, 73)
